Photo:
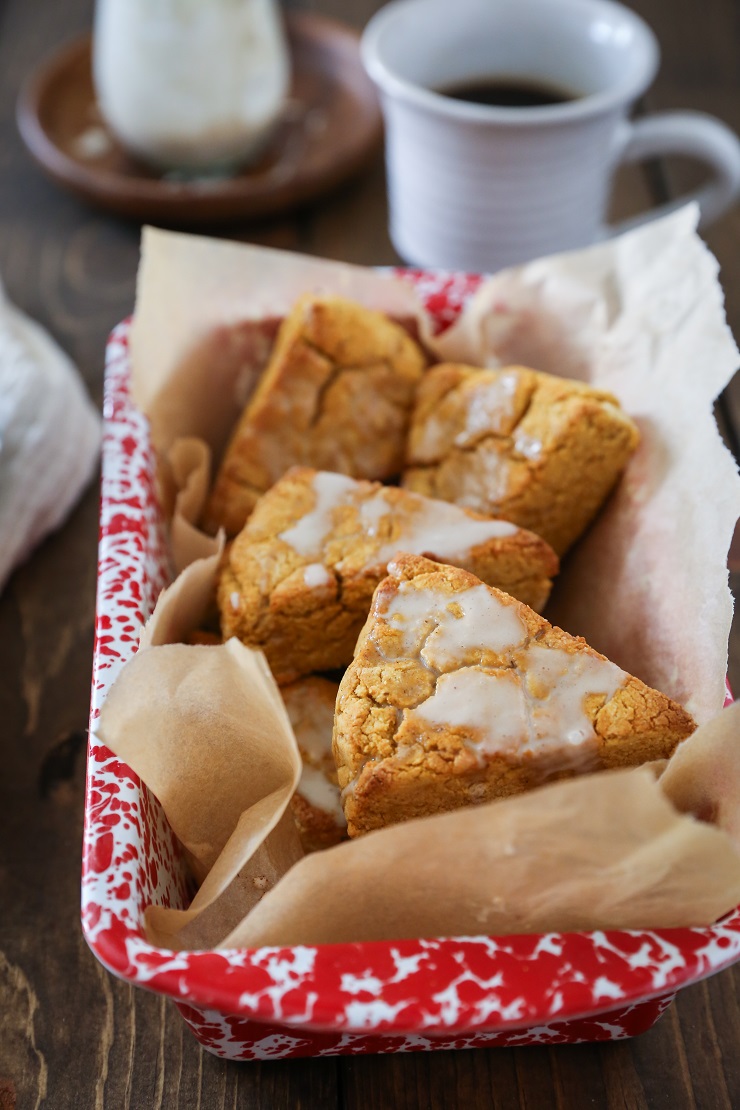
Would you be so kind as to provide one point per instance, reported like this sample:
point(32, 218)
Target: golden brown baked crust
point(539, 450)
point(459, 694)
point(315, 805)
point(337, 394)
point(300, 576)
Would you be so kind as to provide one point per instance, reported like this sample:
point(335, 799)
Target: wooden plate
point(330, 127)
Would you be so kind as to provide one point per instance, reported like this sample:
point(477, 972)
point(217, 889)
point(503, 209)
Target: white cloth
point(49, 436)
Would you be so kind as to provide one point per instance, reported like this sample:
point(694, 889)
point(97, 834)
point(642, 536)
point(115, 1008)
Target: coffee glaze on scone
point(315, 805)
point(300, 577)
point(337, 394)
point(541, 451)
point(460, 694)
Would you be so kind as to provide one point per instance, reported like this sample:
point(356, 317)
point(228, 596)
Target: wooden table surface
point(72, 1036)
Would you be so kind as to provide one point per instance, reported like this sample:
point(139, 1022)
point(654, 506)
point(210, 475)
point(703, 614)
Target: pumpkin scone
point(337, 394)
point(300, 577)
point(315, 805)
point(460, 694)
point(542, 451)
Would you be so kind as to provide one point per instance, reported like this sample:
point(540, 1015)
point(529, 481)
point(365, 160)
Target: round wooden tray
point(330, 127)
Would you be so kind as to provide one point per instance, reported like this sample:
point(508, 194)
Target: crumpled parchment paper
point(640, 315)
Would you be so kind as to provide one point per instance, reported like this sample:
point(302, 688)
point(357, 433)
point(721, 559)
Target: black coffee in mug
point(477, 186)
point(508, 92)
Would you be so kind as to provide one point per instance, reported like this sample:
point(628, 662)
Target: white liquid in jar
point(188, 84)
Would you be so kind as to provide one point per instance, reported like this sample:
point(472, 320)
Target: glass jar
point(190, 84)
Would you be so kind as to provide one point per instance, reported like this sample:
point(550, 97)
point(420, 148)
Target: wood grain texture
point(71, 1036)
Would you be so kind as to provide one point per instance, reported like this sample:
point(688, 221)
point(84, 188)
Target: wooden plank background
point(70, 1035)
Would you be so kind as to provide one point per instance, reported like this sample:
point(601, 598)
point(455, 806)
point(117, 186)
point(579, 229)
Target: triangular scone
point(459, 694)
point(514, 443)
point(300, 577)
point(337, 394)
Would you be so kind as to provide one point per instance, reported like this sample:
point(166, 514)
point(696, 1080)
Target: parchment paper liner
point(209, 733)
point(641, 316)
point(612, 850)
point(577, 855)
point(184, 481)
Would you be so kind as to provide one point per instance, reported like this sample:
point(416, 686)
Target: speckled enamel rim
point(430, 987)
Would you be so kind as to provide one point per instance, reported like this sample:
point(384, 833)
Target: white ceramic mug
point(479, 187)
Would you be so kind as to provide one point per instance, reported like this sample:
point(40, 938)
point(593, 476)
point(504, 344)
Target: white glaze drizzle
point(373, 510)
point(487, 483)
point(441, 627)
point(431, 440)
point(539, 709)
point(486, 407)
point(534, 704)
point(307, 535)
point(526, 445)
point(320, 792)
point(315, 575)
point(313, 734)
point(489, 408)
point(312, 718)
point(558, 683)
point(440, 529)
point(426, 526)
point(474, 699)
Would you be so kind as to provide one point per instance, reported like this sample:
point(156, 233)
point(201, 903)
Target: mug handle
point(696, 135)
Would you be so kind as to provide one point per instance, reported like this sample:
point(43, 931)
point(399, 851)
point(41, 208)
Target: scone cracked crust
point(460, 694)
point(315, 805)
point(300, 577)
point(337, 394)
point(529, 447)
